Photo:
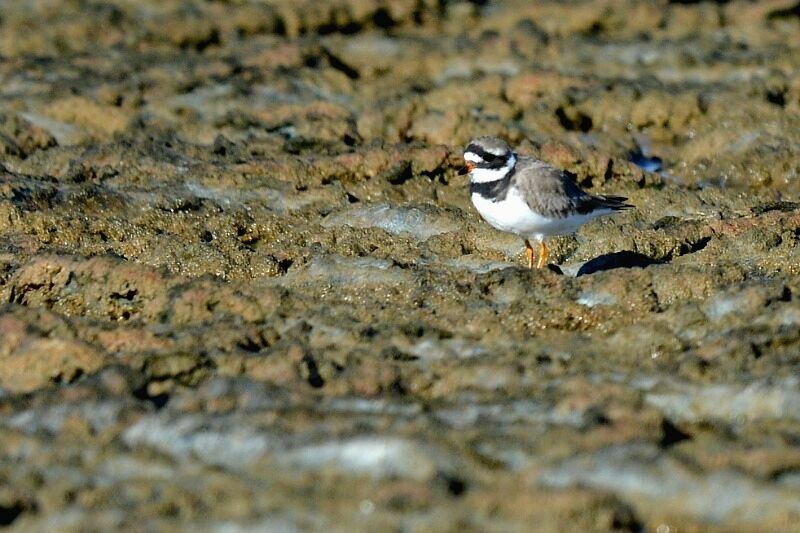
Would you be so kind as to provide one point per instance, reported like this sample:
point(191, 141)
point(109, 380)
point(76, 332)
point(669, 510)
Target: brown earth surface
point(242, 287)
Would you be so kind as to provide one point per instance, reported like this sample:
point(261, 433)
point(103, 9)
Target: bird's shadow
point(624, 259)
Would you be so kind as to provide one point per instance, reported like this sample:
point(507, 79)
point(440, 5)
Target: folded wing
point(553, 193)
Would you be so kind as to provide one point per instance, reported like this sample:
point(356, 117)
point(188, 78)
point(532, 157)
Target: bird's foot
point(529, 253)
point(543, 253)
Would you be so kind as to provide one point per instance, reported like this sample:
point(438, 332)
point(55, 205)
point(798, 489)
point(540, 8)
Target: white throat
point(485, 175)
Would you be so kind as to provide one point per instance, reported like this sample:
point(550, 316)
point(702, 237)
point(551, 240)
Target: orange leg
point(543, 253)
point(529, 253)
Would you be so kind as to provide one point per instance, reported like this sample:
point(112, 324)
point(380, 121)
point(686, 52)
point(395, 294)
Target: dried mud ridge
point(243, 287)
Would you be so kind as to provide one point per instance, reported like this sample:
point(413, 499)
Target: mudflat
point(242, 287)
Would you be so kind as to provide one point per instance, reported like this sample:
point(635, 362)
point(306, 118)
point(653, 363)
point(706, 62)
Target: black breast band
point(496, 190)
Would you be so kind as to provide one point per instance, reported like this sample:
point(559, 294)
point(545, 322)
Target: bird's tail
point(617, 203)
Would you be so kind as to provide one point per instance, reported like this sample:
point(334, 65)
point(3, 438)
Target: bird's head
point(487, 159)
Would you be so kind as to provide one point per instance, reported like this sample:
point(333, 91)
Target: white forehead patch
point(472, 157)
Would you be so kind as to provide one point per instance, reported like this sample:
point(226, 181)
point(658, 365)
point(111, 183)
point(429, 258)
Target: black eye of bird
point(489, 157)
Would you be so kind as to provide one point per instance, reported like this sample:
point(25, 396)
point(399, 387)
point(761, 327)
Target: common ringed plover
point(528, 197)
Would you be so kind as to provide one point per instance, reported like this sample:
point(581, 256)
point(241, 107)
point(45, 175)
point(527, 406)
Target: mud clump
point(243, 287)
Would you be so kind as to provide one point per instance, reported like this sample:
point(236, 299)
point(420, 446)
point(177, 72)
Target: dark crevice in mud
point(38, 197)
point(246, 237)
point(250, 345)
point(163, 371)
point(62, 378)
point(313, 376)
point(395, 354)
point(419, 330)
point(786, 336)
point(756, 350)
point(793, 11)
point(398, 388)
point(11, 511)
point(625, 519)
point(202, 42)
point(783, 206)
point(284, 265)
point(9, 147)
point(279, 27)
point(530, 28)
point(456, 486)
point(595, 30)
point(594, 416)
point(254, 344)
point(671, 434)
point(351, 140)
point(784, 296)
point(436, 174)
point(791, 439)
point(159, 401)
point(453, 484)
point(223, 147)
point(339, 64)
point(348, 28)
point(788, 471)
point(383, 19)
point(128, 295)
point(581, 122)
point(400, 175)
point(20, 298)
point(609, 172)
point(693, 246)
point(777, 97)
point(369, 332)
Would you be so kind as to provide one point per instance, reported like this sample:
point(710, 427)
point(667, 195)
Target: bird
point(528, 197)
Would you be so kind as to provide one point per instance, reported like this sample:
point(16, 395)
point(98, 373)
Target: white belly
point(514, 216)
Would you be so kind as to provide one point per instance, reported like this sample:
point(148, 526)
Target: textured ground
point(243, 288)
